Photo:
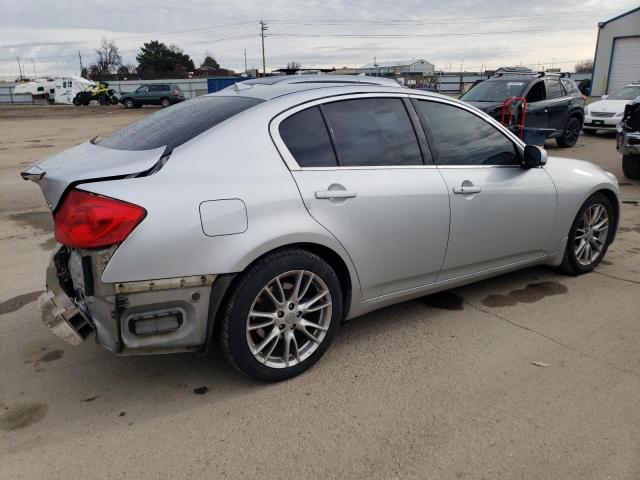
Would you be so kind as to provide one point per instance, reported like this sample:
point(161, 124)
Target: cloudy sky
point(327, 33)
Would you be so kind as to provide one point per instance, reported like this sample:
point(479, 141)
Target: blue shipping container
point(217, 84)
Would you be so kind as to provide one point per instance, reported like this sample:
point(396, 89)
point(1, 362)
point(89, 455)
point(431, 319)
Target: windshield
point(626, 93)
point(495, 91)
point(173, 126)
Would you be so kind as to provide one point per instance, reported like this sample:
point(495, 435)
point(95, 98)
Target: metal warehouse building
point(617, 60)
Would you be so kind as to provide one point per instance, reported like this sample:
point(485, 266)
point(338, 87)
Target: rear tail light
point(175, 93)
point(86, 220)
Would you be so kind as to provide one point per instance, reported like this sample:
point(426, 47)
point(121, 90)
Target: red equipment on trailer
point(514, 119)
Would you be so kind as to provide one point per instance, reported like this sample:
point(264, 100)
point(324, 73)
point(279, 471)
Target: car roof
point(321, 78)
point(272, 87)
point(294, 93)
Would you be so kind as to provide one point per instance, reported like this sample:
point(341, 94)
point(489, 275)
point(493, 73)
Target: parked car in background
point(555, 106)
point(628, 140)
point(163, 94)
point(605, 114)
point(265, 215)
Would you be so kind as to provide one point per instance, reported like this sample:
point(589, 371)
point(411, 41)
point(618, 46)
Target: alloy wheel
point(289, 319)
point(591, 234)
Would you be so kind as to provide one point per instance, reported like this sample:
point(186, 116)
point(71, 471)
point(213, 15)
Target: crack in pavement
point(617, 278)
point(553, 340)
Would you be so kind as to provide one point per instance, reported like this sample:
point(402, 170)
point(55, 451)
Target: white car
point(605, 114)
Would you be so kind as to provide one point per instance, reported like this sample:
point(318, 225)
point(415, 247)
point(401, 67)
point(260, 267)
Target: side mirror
point(604, 97)
point(534, 156)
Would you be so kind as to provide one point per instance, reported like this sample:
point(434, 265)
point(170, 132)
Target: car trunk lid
point(87, 162)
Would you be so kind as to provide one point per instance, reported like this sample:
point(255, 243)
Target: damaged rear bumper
point(144, 317)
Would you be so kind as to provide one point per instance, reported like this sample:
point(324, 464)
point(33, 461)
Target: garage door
point(625, 63)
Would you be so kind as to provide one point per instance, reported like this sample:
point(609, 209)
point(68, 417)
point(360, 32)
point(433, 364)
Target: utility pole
point(34, 68)
point(263, 28)
point(80, 58)
point(245, 60)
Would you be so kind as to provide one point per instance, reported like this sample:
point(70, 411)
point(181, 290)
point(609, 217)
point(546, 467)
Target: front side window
point(537, 93)
point(462, 138)
point(141, 89)
point(171, 127)
point(373, 132)
point(305, 135)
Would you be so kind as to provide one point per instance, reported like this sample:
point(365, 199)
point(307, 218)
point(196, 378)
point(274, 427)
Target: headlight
point(587, 111)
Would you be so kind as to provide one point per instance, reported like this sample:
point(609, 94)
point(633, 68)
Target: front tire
point(631, 166)
point(282, 315)
point(571, 133)
point(590, 235)
point(129, 103)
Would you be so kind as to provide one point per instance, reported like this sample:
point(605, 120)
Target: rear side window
point(462, 138)
point(373, 132)
point(306, 136)
point(173, 126)
point(554, 90)
point(568, 85)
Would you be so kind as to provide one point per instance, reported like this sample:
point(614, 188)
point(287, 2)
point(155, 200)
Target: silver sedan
point(265, 215)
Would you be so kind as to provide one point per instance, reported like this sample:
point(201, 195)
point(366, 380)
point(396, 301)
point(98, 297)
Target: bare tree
point(584, 66)
point(108, 57)
point(293, 65)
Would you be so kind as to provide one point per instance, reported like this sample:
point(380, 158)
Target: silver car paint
point(282, 209)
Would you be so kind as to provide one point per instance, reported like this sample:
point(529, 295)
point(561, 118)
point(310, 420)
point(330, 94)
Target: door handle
point(329, 194)
point(466, 190)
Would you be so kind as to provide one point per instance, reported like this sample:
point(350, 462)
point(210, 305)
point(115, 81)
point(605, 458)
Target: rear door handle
point(466, 190)
point(329, 194)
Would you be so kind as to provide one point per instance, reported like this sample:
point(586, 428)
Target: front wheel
point(631, 166)
point(282, 315)
point(590, 235)
point(571, 133)
point(128, 103)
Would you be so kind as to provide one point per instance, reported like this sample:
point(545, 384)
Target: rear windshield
point(173, 126)
point(495, 90)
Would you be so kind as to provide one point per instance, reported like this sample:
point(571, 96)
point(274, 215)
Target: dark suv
point(164, 94)
point(555, 106)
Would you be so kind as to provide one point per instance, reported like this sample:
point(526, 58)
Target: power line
point(423, 35)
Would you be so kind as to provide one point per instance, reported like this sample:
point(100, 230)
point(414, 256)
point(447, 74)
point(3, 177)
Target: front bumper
point(628, 143)
point(154, 316)
point(600, 123)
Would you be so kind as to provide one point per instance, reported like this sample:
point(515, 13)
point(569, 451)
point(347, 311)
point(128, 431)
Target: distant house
point(617, 58)
point(401, 67)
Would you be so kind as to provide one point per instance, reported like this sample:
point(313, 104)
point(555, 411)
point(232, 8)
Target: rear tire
point(165, 102)
point(631, 166)
point(289, 323)
point(588, 228)
point(571, 133)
